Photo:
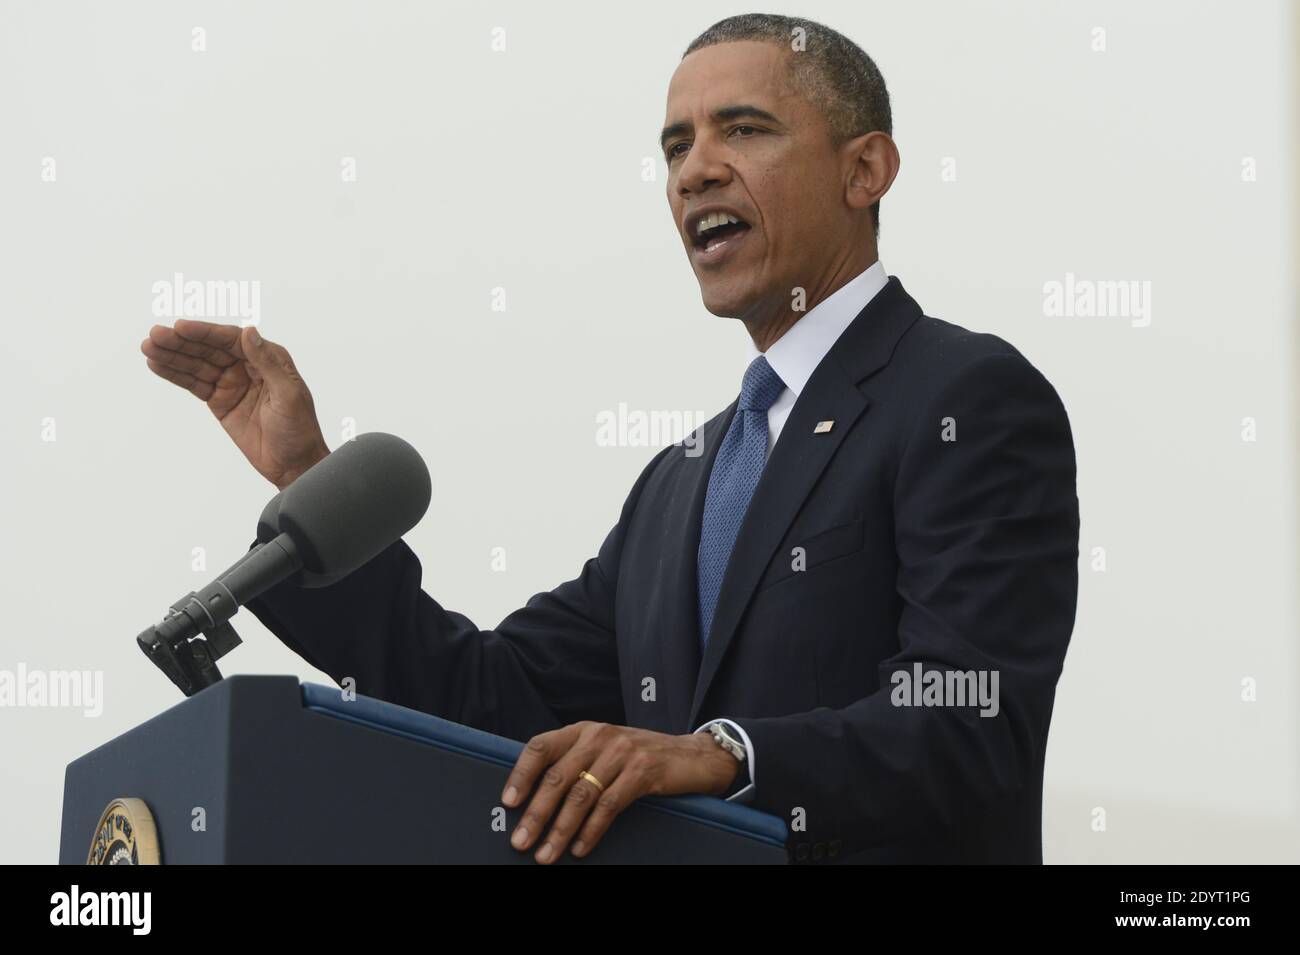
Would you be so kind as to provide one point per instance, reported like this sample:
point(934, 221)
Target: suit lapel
point(794, 467)
point(796, 462)
point(680, 640)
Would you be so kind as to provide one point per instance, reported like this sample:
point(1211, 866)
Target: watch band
point(728, 742)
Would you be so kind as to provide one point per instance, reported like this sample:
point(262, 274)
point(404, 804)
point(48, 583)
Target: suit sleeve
point(986, 531)
point(551, 663)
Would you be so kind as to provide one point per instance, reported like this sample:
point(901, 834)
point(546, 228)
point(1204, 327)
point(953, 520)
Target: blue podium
point(262, 769)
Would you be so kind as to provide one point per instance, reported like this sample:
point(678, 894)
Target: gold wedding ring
point(591, 779)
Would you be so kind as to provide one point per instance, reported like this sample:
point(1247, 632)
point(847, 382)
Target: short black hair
point(830, 69)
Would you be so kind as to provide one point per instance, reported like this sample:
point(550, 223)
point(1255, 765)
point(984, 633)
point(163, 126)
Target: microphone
point(335, 517)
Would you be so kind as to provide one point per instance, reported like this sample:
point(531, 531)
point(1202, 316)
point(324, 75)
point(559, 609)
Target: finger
point(198, 388)
point(583, 798)
point(224, 337)
point(178, 361)
point(533, 760)
point(552, 787)
point(169, 338)
point(625, 790)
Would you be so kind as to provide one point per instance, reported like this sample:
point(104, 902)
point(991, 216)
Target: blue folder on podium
point(262, 769)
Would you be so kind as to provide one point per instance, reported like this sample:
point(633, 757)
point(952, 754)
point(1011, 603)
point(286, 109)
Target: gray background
point(522, 169)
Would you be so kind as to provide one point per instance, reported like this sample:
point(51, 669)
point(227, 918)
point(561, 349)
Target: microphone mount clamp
point(194, 635)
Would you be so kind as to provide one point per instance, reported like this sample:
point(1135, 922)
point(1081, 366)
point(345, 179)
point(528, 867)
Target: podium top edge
point(435, 731)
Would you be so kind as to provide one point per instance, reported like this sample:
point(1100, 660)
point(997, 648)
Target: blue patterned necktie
point(735, 474)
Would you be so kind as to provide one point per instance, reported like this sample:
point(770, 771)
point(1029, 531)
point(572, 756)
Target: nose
point(703, 168)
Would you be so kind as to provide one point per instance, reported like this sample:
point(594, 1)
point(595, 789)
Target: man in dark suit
point(850, 610)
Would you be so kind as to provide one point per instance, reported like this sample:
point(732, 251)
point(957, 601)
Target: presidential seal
point(125, 835)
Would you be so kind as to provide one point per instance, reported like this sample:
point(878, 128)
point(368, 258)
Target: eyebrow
point(721, 114)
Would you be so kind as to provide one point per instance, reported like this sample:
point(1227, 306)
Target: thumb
point(260, 354)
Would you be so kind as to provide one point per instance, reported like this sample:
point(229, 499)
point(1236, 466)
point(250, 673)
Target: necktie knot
point(761, 387)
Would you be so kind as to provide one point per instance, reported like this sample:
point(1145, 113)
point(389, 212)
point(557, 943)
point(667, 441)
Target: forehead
point(744, 71)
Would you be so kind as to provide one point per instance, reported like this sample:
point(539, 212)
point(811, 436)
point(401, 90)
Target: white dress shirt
point(794, 357)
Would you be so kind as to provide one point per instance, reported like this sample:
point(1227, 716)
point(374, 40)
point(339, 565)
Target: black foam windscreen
point(353, 503)
point(268, 524)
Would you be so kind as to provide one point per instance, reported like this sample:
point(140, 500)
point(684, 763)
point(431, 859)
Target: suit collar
point(868, 343)
point(796, 354)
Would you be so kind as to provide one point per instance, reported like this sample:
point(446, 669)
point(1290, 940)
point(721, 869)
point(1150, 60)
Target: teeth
point(713, 220)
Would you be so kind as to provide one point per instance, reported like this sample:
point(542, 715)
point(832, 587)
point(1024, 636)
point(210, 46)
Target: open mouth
point(717, 229)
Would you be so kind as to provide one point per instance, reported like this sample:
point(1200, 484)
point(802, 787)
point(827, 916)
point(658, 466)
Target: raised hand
point(250, 385)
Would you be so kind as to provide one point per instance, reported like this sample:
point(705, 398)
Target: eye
point(743, 128)
point(673, 151)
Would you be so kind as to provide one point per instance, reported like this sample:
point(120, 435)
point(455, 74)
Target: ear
point(871, 163)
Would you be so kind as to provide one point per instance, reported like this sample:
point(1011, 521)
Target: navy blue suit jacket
point(916, 548)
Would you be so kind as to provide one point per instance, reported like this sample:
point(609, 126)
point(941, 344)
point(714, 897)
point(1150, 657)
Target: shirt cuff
point(746, 794)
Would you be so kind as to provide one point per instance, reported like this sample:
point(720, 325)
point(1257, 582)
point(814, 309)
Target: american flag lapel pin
point(824, 426)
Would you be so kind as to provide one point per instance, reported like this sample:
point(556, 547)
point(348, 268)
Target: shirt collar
point(796, 354)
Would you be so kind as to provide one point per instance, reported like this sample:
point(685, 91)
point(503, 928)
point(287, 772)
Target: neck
point(768, 321)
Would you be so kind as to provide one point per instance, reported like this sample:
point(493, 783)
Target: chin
point(726, 301)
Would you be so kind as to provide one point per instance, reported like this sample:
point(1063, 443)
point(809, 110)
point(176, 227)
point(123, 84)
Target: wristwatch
point(727, 741)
